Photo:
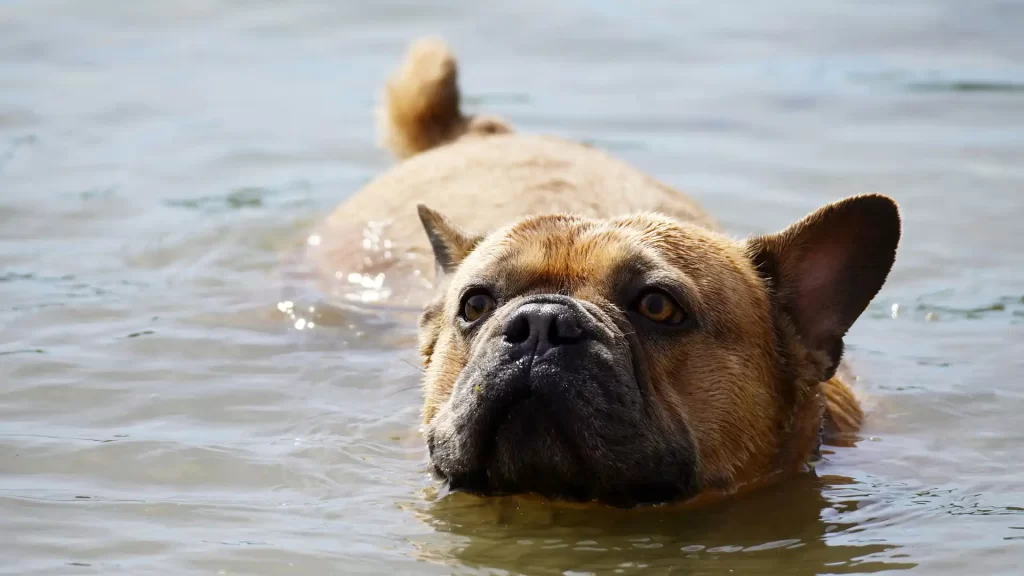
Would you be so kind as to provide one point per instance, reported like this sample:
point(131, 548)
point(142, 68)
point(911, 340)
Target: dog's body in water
point(590, 335)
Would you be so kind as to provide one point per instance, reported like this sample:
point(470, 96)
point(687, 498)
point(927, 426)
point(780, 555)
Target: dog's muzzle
point(549, 403)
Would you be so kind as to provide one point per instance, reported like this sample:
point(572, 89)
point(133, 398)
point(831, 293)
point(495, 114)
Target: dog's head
point(639, 359)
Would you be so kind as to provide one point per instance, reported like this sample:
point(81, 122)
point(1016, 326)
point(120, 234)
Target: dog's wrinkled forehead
point(560, 253)
point(574, 255)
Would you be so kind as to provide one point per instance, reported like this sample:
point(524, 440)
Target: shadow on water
point(784, 529)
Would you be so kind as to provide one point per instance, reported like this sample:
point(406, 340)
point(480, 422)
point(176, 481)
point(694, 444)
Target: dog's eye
point(660, 307)
point(476, 306)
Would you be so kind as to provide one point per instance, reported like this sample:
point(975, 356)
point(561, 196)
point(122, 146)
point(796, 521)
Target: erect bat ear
point(450, 243)
point(826, 268)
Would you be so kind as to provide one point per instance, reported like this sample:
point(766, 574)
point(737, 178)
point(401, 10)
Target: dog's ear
point(450, 243)
point(826, 268)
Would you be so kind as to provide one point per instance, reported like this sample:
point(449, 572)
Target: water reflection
point(358, 265)
point(783, 529)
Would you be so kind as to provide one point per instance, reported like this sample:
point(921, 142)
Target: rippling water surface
point(177, 397)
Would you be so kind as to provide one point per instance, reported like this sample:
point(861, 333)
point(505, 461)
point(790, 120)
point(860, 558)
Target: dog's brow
point(629, 270)
point(560, 262)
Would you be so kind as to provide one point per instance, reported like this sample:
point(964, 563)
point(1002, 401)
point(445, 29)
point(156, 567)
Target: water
point(177, 397)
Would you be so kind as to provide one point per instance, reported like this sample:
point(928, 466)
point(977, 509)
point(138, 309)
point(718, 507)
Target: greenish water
point(177, 397)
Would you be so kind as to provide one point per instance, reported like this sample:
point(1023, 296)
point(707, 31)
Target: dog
point(588, 333)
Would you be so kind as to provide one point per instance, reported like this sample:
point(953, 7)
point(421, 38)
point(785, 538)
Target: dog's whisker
point(400, 391)
point(418, 368)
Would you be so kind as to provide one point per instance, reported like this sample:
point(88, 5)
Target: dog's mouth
point(525, 449)
point(544, 443)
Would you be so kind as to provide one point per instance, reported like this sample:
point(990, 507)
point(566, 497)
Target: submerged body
point(591, 334)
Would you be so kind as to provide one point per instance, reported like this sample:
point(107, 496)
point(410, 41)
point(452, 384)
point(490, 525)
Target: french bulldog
point(587, 332)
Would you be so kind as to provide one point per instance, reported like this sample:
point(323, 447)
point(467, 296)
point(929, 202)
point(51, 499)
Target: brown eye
point(661, 308)
point(477, 306)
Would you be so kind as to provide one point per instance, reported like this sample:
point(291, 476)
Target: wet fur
point(754, 385)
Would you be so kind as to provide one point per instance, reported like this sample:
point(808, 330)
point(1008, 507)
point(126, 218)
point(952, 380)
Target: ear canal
point(825, 269)
point(450, 243)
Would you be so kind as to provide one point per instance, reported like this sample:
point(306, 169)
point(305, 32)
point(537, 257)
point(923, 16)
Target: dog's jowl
point(591, 335)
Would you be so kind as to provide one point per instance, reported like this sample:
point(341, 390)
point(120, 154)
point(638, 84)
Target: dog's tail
point(422, 109)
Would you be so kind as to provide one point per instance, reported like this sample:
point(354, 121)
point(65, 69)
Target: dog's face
point(637, 359)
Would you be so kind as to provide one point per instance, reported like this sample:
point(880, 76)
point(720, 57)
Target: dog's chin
point(524, 453)
point(572, 427)
point(553, 467)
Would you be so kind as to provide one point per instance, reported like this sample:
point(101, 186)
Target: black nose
point(541, 326)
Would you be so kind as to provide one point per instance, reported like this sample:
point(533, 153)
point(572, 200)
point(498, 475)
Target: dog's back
point(478, 170)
